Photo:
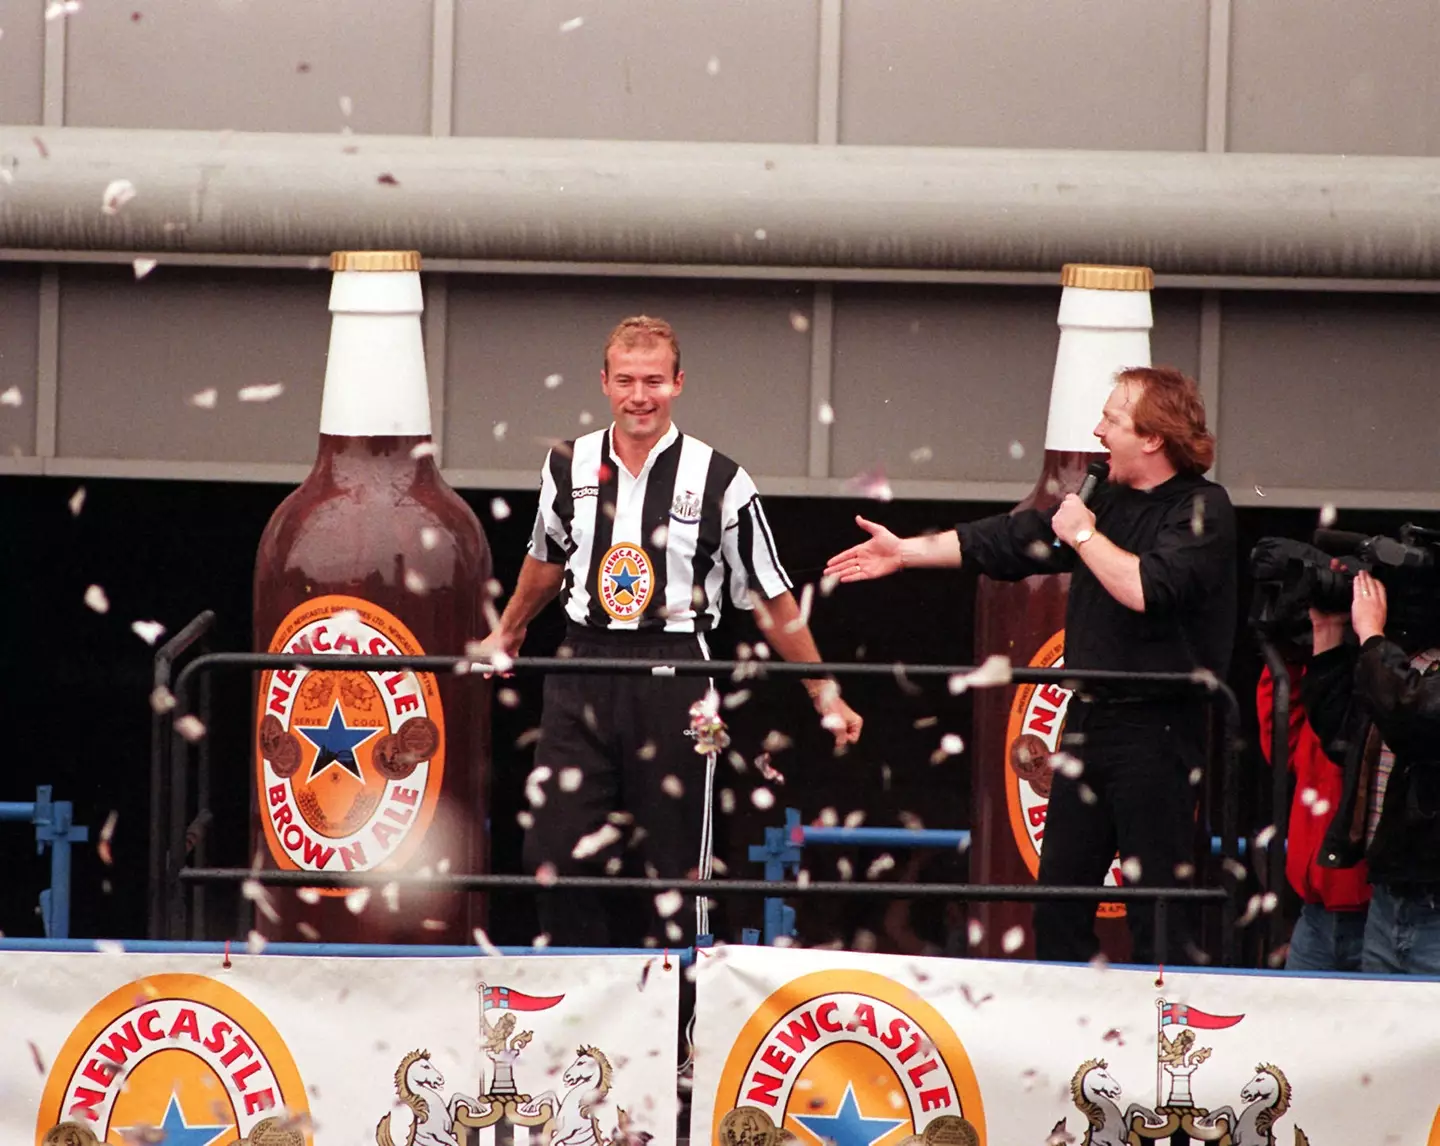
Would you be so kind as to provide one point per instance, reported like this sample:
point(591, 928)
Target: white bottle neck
point(1101, 333)
point(375, 370)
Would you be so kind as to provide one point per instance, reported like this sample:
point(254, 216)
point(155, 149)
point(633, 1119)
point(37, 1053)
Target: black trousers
point(1134, 795)
point(624, 739)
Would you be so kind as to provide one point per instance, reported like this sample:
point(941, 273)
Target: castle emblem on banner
point(423, 1115)
point(1176, 1115)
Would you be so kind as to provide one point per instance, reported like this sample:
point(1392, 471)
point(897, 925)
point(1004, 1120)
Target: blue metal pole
point(17, 813)
point(684, 955)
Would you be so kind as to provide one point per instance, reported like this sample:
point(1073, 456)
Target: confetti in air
point(572, 24)
point(763, 798)
point(429, 537)
point(265, 392)
point(95, 599)
point(356, 900)
point(482, 941)
point(205, 399)
point(499, 430)
point(347, 105)
point(586, 417)
point(1012, 940)
point(11, 397)
point(308, 895)
point(423, 450)
point(415, 582)
point(117, 194)
point(995, 671)
point(107, 834)
point(667, 903)
point(255, 943)
point(499, 509)
point(975, 933)
point(712, 65)
point(571, 779)
point(826, 414)
point(673, 787)
point(799, 322)
point(1130, 869)
point(921, 454)
point(143, 267)
point(162, 700)
point(872, 484)
point(1327, 515)
point(553, 380)
point(147, 631)
point(880, 866)
point(854, 819)
point(1259, 492)
point(59, 8)
point(190, 727)
point(597, 841)
point(1264, 836)
point(1017, 450)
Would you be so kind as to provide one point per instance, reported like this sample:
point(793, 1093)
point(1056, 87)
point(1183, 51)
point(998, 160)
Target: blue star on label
point(623, 580)
point(175, 1131)
point(847, 1126)
point(336, 742)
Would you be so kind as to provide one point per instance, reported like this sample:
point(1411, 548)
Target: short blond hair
point(638, 329)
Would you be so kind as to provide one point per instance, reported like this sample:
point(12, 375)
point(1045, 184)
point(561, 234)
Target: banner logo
point(1037, 719)
point(848, 1057)
point(174, 1058)
point(625, 581)
point(348, 764)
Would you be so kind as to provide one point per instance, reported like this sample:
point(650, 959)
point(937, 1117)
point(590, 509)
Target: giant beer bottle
point(374, 553)
point(1105, 324)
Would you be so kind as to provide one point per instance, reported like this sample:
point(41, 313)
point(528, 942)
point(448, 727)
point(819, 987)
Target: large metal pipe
point(749, 204)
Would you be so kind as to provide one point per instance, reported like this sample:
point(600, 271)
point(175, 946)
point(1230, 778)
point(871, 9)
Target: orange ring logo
point(183, 1054)
point(844, 1045)
point(625, 581)
point(1037, 717)
point(348, 764)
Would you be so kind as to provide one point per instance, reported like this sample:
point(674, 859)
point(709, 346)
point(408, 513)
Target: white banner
point(308, 1051)
point(817, 1047)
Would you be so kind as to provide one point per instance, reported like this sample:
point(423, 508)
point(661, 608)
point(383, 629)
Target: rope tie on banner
point(225, 963)
point(1160, 976)
point(711, 738)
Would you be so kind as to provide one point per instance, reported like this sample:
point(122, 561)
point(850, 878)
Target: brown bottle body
point(379, 533)
point(1015, 730)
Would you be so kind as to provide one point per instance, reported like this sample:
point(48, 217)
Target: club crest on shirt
point(625, 581)
point(685, 508)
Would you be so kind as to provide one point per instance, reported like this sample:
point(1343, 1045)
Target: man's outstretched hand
point(877, 557)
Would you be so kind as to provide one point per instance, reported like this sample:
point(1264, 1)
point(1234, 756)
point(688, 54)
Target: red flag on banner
point(506, 999)
point(1182, 1015)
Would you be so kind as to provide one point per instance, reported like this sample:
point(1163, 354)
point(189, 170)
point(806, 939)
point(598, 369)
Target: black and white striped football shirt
point(653, 551)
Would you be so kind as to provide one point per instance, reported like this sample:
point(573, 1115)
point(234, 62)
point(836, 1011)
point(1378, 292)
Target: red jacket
point(1337, 889)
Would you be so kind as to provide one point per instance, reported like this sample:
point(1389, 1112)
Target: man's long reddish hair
point(1169, 406)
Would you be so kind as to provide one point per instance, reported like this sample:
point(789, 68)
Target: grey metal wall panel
point(19, 327)
point(23, 55)
point(1335, 78)
point(256, 65)
point(746, 366)
point(934, 384)
point(133, 355)
point(1105, 74)
point(723, 70)
point(1325, 391)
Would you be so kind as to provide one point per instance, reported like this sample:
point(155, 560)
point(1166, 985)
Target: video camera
point(1292, 577)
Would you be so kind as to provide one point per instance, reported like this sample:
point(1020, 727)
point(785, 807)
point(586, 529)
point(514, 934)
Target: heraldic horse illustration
point(1267, 1097)
point(1093, 1090)
point(572, 1119)
point(420, 1087)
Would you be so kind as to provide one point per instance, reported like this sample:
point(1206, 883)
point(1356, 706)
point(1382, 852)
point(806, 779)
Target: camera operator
point(1378, 707)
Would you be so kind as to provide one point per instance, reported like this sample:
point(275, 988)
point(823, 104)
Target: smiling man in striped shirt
point(639, 530)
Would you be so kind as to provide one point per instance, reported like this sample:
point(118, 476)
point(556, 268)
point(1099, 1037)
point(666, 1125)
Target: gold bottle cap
point(375, 261)
point(1107, 278)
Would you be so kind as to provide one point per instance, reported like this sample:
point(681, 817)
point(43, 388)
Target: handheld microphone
point(1095, 473)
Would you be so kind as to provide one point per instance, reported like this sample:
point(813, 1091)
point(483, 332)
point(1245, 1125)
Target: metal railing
point(55, 828)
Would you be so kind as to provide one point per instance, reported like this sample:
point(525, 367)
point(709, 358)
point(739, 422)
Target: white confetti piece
point(951, 744)
point(482, 941)
point(855, 819)
point(572, 24)
point(264, 392)
point(1269, 902)
point(95, 599)
point(356, 900)
point(499, 429)
point(204, 399)
point(107, 836)
point(667, 903)
point(190, 727)
point(1264, 836)
point(1087, 795)
point(508, 697)
point(143, 267)
point(147, 631)
point(117, 193)
point(825, 415)
point(1071, 767)
point(975, 933)
point(763, 798)
point(255, 943)
point(995, 671)
point(1319, 807)
point(11, 397)
point(415, 582)
point(525, 819)
point(921, 454)
point(571, 779)
point(1327, 515)
point(799, 321)
point(586, 417)
point(1130, 869)
point(1252, 909)
point(727, 801)
point(162, 700)
point(1017, 450)
point(58, 8)
point(347, 105)
point(423, 450)
point(760, 234)
point(109, 947)
point(77, 501)
point(872, 484)
point(1258, 491)
point(553, 380)
point(499, 508)
point(1012, 940)
point(1308, 795)
point(673, 787)
point(1197, 516)
point(597, 841)
point(712, 65)
point(879, 866)
point(257, 893)
point(429, 537)
point(533, 791)
point(1184, 870)
point(845, 869)
point(308, 895)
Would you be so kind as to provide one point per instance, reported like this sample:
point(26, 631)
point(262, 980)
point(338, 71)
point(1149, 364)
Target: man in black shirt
point(1153, 558)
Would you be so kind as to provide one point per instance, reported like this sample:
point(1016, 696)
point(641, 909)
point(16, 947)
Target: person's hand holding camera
point(1368, 607)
